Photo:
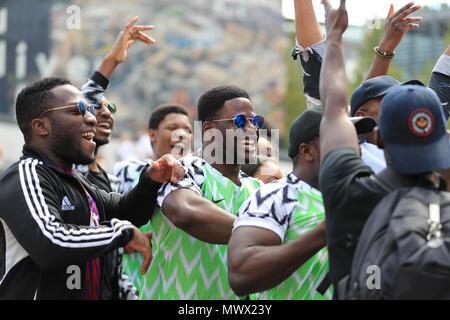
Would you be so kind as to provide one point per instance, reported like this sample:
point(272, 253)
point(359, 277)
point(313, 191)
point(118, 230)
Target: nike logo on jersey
point(67, 205)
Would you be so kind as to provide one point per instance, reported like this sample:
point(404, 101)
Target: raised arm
point(396, 26)
point(125, 39)
point(336, 129)
point(306, 25)
point(95, 87)
point(440, 80)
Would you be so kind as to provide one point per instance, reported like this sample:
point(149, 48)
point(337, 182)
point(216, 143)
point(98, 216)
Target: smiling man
point(117, 284)
point(170, 132)
point(194, 225)
point(56, 226)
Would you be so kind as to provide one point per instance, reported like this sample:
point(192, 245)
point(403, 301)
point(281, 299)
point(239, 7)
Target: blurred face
point(242, 142)
point(70, 134)
point(265, 148)
point(105, 124)
point(268, 172)
point(371, 108)
point(174, 136)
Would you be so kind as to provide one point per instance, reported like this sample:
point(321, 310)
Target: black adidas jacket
point(45, 238)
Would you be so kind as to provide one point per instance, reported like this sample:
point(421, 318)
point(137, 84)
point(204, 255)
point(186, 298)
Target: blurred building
point(200, 44)
point(424, 45)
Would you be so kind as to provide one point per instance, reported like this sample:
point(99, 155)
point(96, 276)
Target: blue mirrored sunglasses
point(241, 120)
point(82, 108)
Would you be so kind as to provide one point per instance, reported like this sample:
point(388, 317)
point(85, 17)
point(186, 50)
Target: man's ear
point(152, 135)
point(207, 125)
point(306, 151)
point(41, 127)
point(378, 140)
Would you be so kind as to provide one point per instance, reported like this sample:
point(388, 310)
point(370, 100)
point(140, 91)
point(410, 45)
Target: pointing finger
point(391, 11)
point(131, 24)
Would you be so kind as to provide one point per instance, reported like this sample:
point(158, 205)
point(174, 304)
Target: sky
point(359, 11)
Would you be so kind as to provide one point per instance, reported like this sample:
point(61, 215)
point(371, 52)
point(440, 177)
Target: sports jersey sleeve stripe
point(192, 180)
point(94, 89)
point(252, 221)
point(55, 231)
point(258, 210)
point(40, 209)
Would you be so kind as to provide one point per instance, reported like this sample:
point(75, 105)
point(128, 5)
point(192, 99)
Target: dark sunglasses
point(83, 107)
point(111, 107)
point(240, 121)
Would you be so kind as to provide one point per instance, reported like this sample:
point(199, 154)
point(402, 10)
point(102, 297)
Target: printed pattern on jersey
point(290, 208)
point(128, 172)
point(184, 267)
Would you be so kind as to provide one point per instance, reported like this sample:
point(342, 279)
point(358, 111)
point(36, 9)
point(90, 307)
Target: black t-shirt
point(349, 197)
point(100, 179)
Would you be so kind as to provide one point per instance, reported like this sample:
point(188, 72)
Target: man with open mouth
point(191, 230)
point(170, 132)
point(56, 227)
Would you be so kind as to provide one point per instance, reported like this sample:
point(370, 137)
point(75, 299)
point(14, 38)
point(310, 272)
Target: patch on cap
point(421, 122)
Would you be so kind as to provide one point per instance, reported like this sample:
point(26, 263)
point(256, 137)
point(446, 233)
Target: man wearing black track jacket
point(54, 225)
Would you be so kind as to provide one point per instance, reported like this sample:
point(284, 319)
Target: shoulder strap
point(324, 285)
point(434, 219)
point(390, 180)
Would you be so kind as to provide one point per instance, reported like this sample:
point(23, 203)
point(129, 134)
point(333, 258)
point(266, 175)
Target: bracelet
point(383, 54)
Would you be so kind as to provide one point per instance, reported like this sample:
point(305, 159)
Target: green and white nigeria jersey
point(128, 172)
point(182, 266)
point(290, 208)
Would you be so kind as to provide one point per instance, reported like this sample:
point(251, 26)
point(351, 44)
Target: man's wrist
point(334, 36)
point(383, 54)
point(150, 181)
point(110, 59)
point(386, 46)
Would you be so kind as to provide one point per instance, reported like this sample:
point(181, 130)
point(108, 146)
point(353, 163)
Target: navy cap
point(307, 125)
point(414, 131)
point(374, 88)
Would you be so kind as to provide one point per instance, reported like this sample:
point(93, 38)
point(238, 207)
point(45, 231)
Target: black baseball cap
point(374, 88)
point(307, 125)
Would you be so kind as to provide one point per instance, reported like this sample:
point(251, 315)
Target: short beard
point(65, 149)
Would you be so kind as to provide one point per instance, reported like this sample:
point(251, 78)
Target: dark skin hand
point(141, 242)
point(396, 26)
point(166, 168)
point(124, 41)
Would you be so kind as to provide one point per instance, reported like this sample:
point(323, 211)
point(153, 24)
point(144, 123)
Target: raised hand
point(166, 168)
point(397, 25)
point(127, 37)
point(141, 242)
point(336, 20)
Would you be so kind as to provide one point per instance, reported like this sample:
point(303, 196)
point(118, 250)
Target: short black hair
point(213, 100)
point(161, 111)
point(34, 99)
